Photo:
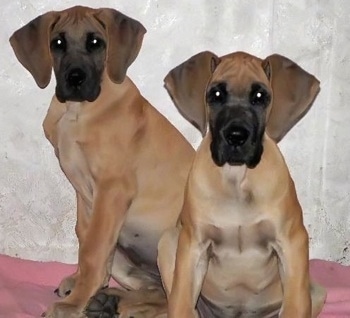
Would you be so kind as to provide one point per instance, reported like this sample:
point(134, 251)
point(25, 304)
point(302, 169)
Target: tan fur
point(240, 248)
point(126, 162)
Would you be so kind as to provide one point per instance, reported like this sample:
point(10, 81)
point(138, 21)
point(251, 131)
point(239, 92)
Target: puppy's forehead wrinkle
point(77, 13)
point(239, 70)
point(83, 24)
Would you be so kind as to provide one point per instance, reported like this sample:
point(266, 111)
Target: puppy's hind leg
point(102, 305)
point(141, 294)
point(114, 302)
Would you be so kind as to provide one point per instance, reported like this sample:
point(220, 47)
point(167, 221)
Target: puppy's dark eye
point(58, 44)
point(217, 94)
point(94, 43)
point(259, 96)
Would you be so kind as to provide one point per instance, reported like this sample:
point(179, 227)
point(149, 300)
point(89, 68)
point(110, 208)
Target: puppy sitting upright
point(112, 145)
point(240, 248)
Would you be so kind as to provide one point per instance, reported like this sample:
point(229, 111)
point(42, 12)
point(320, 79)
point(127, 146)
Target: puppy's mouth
point(236, 157)
point(77, 94)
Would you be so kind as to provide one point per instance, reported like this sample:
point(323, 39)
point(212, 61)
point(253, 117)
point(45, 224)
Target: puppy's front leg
point(110, 204)
point(190, 268)
point(111, 201)
point(294, 256)
point(67, 284)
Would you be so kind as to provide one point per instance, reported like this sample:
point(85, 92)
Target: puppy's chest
point(237, 223)
point(241, 239)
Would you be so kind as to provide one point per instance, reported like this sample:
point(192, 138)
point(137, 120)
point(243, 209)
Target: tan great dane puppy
point(126, 162)
point(240, 248)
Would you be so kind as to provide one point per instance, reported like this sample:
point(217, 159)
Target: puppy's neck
point(73, 106)
point(115, 91)
point(234, 174)
point(240, 182)
point(265, 182)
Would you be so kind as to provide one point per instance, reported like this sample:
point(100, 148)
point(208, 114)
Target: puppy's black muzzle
point(78, 83)
point(237, 137)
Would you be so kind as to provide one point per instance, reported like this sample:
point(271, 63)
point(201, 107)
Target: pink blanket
point(26, 287)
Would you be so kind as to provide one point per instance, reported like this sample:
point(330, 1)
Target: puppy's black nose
point(76, 77)
point(236, 136)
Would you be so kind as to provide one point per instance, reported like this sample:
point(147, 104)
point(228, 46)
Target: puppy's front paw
point(102, 306)
point(68, 283)
point(66, 286)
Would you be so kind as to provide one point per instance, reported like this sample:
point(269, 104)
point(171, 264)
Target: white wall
point(36, 202)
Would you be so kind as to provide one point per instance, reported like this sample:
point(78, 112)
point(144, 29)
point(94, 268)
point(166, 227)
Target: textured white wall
point(36, 202)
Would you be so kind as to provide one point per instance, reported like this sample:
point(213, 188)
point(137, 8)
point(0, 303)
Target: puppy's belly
point(139, 247)
point(147, 218)
point(246, 283)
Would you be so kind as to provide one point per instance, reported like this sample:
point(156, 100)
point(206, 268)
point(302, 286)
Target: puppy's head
point(78, 43)
point(240, 97)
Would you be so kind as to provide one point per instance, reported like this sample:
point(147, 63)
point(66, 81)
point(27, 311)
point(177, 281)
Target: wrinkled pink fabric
point(336, 278)
point(26, 287)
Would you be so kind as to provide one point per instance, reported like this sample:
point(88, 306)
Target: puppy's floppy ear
point(294, 91)
point(32, 48)
point(124, 41)
point(186, 85)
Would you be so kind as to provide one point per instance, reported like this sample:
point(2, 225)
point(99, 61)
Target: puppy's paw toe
point(102, 306)
point(66, 286)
